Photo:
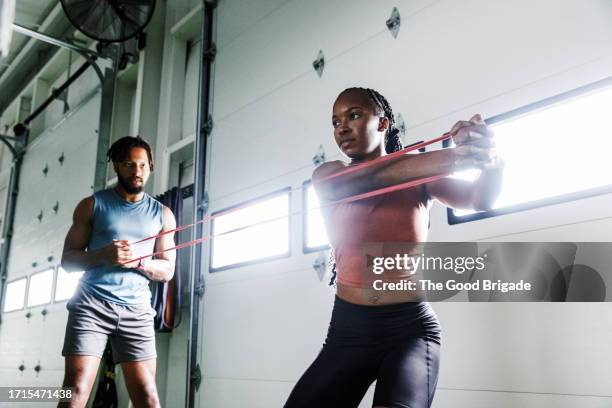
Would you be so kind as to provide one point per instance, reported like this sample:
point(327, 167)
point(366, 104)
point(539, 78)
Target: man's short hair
point(120, 150)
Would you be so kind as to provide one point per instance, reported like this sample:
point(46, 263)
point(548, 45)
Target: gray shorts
point(93, 321)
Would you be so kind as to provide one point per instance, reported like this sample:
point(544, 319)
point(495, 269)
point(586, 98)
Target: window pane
point(39, 292)
point(315, 227)
point(558, 150)
point(251, 214)
point(257, 231)
point(67, 283)
point(15, 295)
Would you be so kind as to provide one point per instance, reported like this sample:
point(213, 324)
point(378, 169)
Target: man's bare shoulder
point(168, 218)
point(84, 209)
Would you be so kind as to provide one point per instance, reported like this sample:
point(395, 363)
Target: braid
point(393, 143)
point(332, 265)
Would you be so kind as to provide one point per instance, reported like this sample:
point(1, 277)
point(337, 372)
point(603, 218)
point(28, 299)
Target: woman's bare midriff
point(371, 297)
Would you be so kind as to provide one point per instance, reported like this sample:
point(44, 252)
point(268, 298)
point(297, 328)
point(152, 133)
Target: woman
point(389, 336)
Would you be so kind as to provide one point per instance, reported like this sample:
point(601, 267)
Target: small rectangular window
point(249, 232)
point(555, 150)
point(41, 285)
point(67, 283)
point(315, 235)
point(14, 297)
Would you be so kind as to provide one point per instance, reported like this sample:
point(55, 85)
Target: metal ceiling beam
point(54, 41)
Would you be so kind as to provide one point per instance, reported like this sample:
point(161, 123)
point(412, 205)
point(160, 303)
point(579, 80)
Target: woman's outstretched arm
point(473, 150)
point(482, 193)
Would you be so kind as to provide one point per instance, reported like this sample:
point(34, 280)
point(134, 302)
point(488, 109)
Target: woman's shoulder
point(327, 169)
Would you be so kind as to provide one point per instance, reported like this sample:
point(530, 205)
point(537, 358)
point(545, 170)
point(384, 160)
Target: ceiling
point(29, 13)
point(27, 56)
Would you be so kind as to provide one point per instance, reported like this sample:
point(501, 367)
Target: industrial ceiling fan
point(109, 20)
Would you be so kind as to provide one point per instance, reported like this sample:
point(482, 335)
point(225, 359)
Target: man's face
point(134, 171)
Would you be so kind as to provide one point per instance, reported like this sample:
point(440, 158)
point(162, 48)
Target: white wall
point(264, 323)
point(138, 100)
point(39, 339)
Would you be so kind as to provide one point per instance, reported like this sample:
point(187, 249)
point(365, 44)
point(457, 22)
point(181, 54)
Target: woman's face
point(358, 130)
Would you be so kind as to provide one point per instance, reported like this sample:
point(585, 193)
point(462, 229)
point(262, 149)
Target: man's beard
point(125, 183)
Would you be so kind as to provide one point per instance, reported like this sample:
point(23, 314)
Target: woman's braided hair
point(393, 143)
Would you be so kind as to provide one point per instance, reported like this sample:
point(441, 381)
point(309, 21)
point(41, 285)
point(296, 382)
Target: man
point(112, 302)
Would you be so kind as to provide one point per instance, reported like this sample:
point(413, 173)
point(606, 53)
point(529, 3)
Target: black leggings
point(397, 345)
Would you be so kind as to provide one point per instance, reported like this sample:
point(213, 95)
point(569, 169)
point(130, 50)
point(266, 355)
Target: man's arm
point(162, 267)
point(75, 256)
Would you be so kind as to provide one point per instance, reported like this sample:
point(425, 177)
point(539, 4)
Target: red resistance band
point(384, 190)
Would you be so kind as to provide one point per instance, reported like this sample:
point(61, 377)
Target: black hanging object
point(109, 20)
point(319, 63)
point(40, 216)
point(56, 207)
point(61, 159)
point(106, 394)
point(50, 258)
point(123, 61)
point(394, 22)
point(141, 39)
point(166, 296)
point(46, 169)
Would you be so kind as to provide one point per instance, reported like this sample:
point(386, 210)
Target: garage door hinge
point(394, 22)
point(196, 377)
point(319, 63)
point(200, 289)
point(210, 54)
point(207, 126)
point(320, 265)
point(203, 206)
point(319, 158)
